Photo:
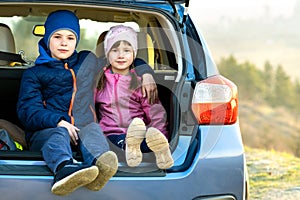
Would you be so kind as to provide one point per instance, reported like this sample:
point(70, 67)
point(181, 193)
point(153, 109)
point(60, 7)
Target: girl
point(123, 110)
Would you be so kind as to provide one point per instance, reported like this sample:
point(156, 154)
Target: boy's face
point(62, 44)
point(121, 58)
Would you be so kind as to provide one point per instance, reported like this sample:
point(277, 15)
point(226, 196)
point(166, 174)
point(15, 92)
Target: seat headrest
point(100, 45)
point(7, 42)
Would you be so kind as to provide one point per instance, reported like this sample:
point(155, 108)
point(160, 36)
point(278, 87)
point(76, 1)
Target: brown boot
point(71, 177)
point(158, 143)
point(107, 165)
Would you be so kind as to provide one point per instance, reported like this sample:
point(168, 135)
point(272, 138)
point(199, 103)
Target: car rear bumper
point(213, 173)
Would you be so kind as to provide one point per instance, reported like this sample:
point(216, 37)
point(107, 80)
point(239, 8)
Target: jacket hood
point(45, 55)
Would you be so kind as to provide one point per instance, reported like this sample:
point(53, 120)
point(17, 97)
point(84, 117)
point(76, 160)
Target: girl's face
point(62, 44)
point(121, 57)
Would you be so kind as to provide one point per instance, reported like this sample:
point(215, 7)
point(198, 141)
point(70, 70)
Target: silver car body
point(209, 156)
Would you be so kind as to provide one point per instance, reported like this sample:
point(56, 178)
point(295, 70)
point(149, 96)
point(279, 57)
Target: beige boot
point(135, 136)
point(73, 181)
point(158, 143)
point(107, 165)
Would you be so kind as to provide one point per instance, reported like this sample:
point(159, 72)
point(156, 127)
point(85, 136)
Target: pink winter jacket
point(119, 105)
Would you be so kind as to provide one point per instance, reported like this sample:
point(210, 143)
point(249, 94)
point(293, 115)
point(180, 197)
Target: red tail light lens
point(215, 101)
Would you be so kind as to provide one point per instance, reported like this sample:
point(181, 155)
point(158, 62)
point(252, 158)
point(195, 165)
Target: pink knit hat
point(118, 33)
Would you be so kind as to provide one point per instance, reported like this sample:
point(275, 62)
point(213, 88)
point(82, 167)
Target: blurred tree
point(273, 86)
point(246, 76)
point(283, 92)
point(296, 91)
point(252, 81)
point(268, 76)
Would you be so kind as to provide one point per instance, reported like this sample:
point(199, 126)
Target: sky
point(210, 11)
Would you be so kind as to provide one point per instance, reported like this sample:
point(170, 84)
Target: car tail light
point(215, 101)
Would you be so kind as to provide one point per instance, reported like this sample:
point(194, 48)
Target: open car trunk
point(159, 45)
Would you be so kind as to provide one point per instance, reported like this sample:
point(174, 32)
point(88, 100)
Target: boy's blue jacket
point(51, 88)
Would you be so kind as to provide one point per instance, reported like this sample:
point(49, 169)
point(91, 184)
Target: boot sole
point(158, 143)
point(74, 181)
point(135, 136)
point(107, 165)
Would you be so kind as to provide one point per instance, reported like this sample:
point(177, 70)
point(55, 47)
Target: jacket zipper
point(116, 98)
point(73, 93)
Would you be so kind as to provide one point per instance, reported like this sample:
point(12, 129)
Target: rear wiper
point(174, 9)
point(186, 6)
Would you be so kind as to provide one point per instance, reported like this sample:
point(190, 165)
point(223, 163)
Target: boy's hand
point(149, 88)
point(71, 129)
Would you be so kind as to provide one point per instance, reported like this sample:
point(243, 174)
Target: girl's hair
point(134, 83)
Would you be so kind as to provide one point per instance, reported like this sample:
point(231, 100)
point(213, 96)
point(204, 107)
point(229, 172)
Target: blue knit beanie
point(61, 20)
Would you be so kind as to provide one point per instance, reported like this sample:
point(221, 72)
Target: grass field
point(273, 175)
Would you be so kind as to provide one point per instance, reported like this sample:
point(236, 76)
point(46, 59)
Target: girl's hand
point(71, 129)
point(149, 88)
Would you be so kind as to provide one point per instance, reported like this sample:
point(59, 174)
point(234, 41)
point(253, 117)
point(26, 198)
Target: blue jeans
point(54, 143)
point(119, 141)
